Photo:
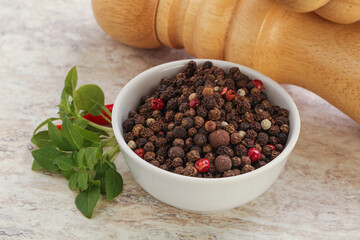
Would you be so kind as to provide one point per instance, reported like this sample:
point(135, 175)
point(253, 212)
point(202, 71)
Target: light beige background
point(316, 197)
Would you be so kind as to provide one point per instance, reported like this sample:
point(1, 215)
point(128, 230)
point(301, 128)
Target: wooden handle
point(300, 49)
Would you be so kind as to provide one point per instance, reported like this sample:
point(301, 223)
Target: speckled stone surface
point(316, 197)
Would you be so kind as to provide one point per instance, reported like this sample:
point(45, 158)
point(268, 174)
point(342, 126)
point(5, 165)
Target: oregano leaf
point(113, 184)
point(101, 169)
point(80, 158)
point(73, 181)
point(55, 136)
point(88, 96)
point(86, 200)
point(42, 139)
point(64, 163)
point(71, 134)
point(67, 173)
point(36, 166)
point(83, 180)
point(91, 156)
point(88, 135)
point(45, 157)
point(71, 81)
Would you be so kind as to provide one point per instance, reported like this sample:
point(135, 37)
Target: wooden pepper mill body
point(294, 48)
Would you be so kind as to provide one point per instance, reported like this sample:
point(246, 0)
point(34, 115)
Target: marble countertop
point(316, 197)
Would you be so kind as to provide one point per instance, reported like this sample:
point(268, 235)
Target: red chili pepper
point(99, 119)
point(59, 127)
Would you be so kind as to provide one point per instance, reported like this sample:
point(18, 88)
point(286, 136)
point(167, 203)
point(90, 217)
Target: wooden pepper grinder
point(300, 49)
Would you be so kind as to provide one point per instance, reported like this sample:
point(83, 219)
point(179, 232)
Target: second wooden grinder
point(301, 49)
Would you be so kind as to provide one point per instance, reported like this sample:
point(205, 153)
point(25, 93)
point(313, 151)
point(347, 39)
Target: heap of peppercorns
point(207, 123)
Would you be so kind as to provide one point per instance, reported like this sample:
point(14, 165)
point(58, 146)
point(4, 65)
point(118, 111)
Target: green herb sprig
point(82, 151)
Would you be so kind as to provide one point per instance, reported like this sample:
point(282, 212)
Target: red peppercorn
point(157, 104)
point(229, 95)
point(140, 152)
point(161, 133)
point(258, 83)
point(254, 154)
point(272, 146)
point(59, 126)
point(224, 91)
point(194, 103)
point(202, 164)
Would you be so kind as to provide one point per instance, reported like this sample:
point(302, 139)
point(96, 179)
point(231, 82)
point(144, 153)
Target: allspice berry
point(236, 138)
point(214, 114)
point(223, 163)
point(247, 168)
point(229, 173)
point(208, 92)
point(177, 162)
point(210, 126)
point(179, 142)
point(175, 152)
point(219, 138)
point(198, 121)
point(236, 161)
point(193, 155)
point(200, 139)
point(187, 122)
point(190, 171)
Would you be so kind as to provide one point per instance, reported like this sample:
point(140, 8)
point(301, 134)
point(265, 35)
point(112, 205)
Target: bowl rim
point(295, 125)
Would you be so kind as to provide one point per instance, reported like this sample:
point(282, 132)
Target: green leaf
point(96, 130)
point(55, 136)
point(67, 173)
point(88, 135)
point(101, 169)
point(83, 180)
point(89, 96)
point(42, 139)
point(81, 123)
point(36, 166)
point(86, 200)
point(64, 163)
point(96, 110)
point(73, 180)
point(44, 123)
point(91, 156)
point(71, 134)
point(71, 81)
point(80, 158)
point(96, 182)
point(113, 184)
point(45, 157)
point(64, 106)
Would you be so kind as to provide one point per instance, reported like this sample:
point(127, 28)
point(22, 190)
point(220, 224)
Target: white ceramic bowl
point(191, 193)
